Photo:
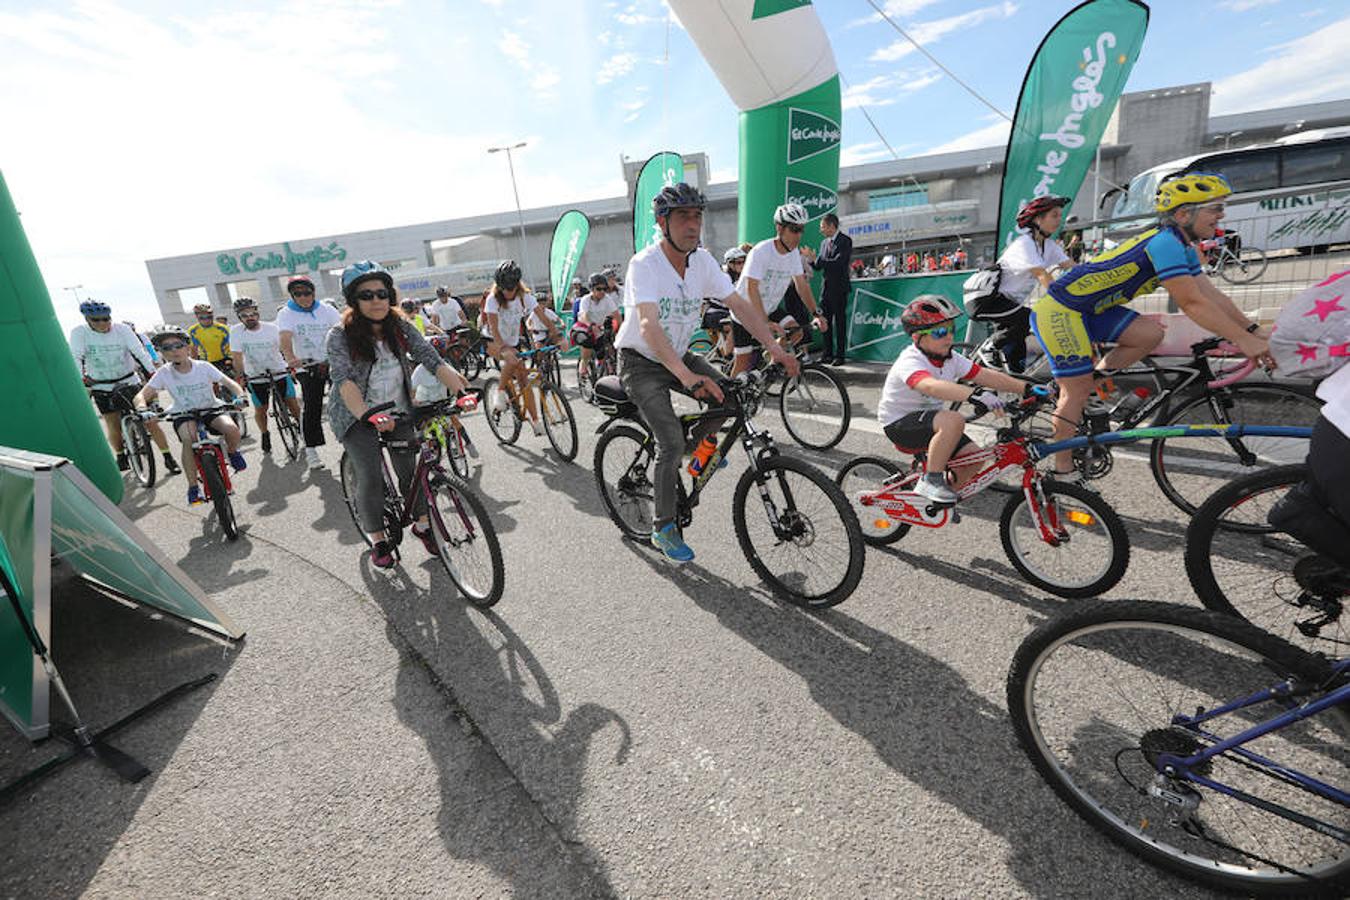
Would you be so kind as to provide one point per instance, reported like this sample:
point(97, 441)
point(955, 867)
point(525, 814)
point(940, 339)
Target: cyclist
point(256, 348)
point(1030, 261)
point(191, 383)
point(663, 294)
point(211, 339)
point(510, 303)
point(770, 267)
point(599, 312)
point(1087, 303)
point(539, 323)
point(108, 354)
point(922, 381)
point(716, 317)
point(368, 357)
point(303, 325)
point(446, 312)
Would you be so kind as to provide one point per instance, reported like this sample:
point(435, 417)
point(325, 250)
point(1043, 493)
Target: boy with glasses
point(303, 324)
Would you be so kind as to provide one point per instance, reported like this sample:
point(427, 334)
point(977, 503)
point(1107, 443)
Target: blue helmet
point(359, 271)
point(95, 308)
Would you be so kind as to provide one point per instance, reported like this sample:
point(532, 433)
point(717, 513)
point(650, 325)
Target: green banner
point(875, 304)
point(20, 673)
point(1070, 91)
point(662, 169)
point(569, 240)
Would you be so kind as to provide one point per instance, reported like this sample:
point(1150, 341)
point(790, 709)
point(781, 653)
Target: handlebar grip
point(376, 410)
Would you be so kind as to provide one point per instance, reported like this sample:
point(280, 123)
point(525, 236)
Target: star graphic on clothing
point(1324, 308)
point(1339, 350)
point(1306, 354)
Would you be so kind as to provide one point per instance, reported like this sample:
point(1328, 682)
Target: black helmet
point(443, 289)
point(598, 280)
point(677, 196)
point(244, 303)
point(507, 275)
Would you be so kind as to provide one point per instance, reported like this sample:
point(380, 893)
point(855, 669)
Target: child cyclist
point(427, 389)
point(923, 380)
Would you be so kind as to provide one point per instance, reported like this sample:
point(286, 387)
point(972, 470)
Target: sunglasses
point(301, 292)
point(380, 294)
point(99, 318)
point(177, 345)
point(939, 332)
point(795, 229)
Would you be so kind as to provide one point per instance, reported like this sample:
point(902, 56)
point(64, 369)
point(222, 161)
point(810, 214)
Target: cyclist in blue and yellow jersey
point(210, 339)
point(1087, 303)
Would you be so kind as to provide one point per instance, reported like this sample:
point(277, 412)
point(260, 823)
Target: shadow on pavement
point(276, 479)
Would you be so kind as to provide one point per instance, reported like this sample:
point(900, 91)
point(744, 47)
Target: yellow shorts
point(1068, 335)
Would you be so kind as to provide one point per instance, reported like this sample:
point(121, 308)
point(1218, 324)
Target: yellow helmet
point(1196, 187)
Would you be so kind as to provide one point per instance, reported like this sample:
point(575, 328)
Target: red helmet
point(926, 311)
point(298, 279)
point(1038, 205)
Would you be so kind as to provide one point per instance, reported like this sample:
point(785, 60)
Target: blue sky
point(147, 129)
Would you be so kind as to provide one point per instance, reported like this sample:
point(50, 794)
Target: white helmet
point(733, 254)
point(791, 214)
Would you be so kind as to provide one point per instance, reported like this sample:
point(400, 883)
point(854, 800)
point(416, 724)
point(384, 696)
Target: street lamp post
point(520, 217)
point(75, 289)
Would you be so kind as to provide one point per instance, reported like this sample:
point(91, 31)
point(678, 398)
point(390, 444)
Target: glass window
point(1316, 163)
point(1258, 171)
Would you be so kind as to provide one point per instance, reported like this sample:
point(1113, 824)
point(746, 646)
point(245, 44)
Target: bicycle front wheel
point(287, 427)
point(559, 424)
point(1092, 549)
point(452, 444)
point(586, 380)
point(1097, 697)
point(140, 451)
point(867, 474)
point(1190, 469)
point(624, 459)
point(504, 425)
point(469, 550)
point(815, 408)
point(210, 462)
point(803, 538)
point(1242, 566)
point(1249, 265)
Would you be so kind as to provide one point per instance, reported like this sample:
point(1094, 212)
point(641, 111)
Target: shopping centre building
point(938, 202)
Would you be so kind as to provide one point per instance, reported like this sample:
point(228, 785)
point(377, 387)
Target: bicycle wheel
point(241, 422)
point(287, 427)
point(1241, 566)
point(1093, 550)
point(392, 513)
point(815, 408)
point(623, 467)
point(559, 424)
point(210, 462)
point(469, 550)
point(140, 451)
point(469, 362)
point(866, 474)
point(586, 380)
point(1190, 469)
point(1248, 266)
point(504, 425)
point(808, 546)
point(452, 442)
point(1098, 695)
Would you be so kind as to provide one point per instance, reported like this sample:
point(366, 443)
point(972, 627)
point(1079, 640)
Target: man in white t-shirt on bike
point(255, 346)
point(663, 301)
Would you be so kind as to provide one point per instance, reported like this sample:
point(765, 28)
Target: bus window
point(1249, 171)
point(1316, 163)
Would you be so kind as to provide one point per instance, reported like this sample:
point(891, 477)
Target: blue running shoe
point(195, 496)
point(670, 542)
point(237, 461)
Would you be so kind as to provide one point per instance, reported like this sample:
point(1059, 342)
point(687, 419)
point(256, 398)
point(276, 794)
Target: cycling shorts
point(261, 390)
point(108, 401)
point(745, 342)
point(193, 417)
point(1068, 335)
point(913, 431)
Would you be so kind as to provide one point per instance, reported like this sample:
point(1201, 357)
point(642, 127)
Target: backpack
point(1311, 338)
point(982, 298)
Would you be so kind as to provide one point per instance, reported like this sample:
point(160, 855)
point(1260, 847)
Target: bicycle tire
point(452, 442)
point(586, 380)
point(469, 362)
point(560, 426)
point(1097, 758)
point(456, 537)
point(287, 427)
point(1213, 461)
point(866, 473)
point(391, 513)
point(1260, 574)
point(797, 516)
point(1084, 509)
point(504, 425)
point(210, 461)
point(1249, 265)
point(815, 394)
point(140, 451)
point(623, 461)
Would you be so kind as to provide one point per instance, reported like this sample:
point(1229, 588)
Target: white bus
point(1293, 193)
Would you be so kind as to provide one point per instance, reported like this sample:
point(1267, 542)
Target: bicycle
point(209, 458)
point(442, 428)
point(1194, 740)
point(604, 361)
point(135, 438)
point(1063, 538)
point(814, 405)
point(808, 548)
point(467, 352)
point(554, 411)
point(1242, 566)
point(1232, 261)
point(465, 538)
point(287, 426)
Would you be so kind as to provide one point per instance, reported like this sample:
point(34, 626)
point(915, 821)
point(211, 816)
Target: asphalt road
point(616, 726)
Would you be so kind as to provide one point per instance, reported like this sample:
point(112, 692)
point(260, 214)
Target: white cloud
point(545, 79)
point(635, 14)
point(1306, 70)
point(1244, 5)
point(868, 151)
point(616, 66)
point(513, 47)
point(896, 9)
point(883, 90)
point(995, 134)
point(933, 31)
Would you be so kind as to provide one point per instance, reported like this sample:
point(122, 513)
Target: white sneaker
point(312, 457)
point(936, 491)
point(500, 404)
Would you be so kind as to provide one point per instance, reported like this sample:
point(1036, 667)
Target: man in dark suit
point(836, 251)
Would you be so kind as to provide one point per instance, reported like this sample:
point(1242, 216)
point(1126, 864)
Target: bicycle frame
point(427, 465)
point(1040, 451)
point(206, 438)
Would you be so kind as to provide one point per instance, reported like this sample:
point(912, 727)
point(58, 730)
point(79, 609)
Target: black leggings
point(312, 384)
point(1317, 512)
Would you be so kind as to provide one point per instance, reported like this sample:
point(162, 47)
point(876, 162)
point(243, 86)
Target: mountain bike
point(1195, 741)
point(135, 438)
point(209, 458)
point(465, 538)
point(467, 351)
point(555, 412)
point(287, 427)
point(1063, 538)
point(807, 546)
point(814, 404)
point(448, 433)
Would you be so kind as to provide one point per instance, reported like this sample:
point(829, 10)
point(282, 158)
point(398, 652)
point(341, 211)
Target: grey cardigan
point(342, 368)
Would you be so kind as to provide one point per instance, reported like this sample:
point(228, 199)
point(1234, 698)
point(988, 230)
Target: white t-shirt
point(537, 328)
point(427, 388)
point(773, 270)
point(596, 311)
point(309, 329)
point(1017, 262)
point(190, 390)
point(679, 301)
point(110, 356)
point(898, 395)
point(386, 380)
point(448, 314)
point(260, 347)
point(1334, 391)
point(509, 315)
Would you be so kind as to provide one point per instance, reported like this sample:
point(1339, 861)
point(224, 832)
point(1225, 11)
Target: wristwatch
point(1251, 329)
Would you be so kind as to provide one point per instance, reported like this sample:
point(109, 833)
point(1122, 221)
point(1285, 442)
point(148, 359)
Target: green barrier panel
point(875, 304)
point(25, 550)
point(37, 369)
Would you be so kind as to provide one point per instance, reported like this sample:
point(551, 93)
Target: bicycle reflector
point(881, 524)
point(1081, 517)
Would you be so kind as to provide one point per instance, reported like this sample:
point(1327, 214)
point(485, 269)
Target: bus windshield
point(1137, 200)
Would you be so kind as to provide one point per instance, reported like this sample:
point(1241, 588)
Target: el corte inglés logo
point(817, 198)
point(810, 133)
